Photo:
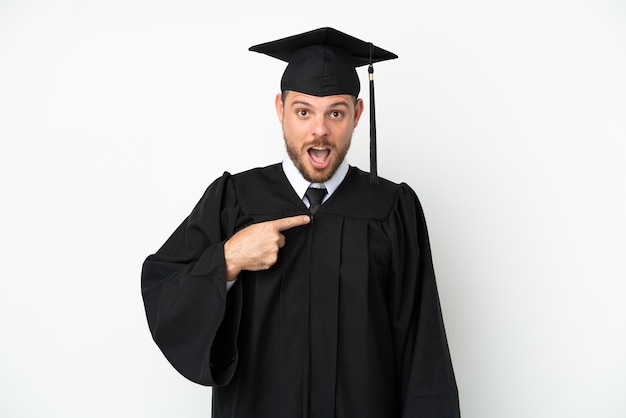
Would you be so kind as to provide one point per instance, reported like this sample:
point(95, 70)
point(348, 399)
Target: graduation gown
point(346, 324)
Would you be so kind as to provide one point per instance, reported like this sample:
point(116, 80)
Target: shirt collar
point(300, 184)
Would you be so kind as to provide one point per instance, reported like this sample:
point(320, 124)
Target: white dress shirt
point(300, 184)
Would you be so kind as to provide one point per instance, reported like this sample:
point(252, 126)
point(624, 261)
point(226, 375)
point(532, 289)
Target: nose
point(320, 126)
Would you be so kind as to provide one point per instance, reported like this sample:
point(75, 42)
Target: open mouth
point(319, 156)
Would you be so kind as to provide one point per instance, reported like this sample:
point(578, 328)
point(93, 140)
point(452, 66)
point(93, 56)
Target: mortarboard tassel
point(373, 164)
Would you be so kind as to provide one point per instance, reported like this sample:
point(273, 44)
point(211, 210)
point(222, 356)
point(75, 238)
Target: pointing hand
point(256, 247)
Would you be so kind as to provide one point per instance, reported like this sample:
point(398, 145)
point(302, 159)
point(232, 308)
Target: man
point(306, 289)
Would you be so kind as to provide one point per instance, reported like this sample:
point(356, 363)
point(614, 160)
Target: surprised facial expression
point(318, 131)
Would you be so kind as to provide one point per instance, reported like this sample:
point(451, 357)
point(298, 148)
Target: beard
point(310, 173)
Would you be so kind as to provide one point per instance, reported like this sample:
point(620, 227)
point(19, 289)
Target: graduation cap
point(323, 62)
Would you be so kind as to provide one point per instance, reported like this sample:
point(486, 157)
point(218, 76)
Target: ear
point(358, 111)
point(278, 103)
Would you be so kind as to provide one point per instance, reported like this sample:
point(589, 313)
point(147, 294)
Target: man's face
point(318, 131)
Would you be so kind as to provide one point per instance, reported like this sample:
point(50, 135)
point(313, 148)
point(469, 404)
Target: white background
point(507, 118)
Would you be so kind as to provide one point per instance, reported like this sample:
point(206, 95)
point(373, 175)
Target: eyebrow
point(300, 103)
point(334, 104)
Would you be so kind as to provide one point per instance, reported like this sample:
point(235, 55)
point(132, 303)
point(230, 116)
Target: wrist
point(232, 271)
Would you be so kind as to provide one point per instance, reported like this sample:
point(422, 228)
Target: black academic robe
point(346, 324)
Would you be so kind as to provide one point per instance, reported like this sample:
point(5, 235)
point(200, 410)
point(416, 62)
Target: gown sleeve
point(191, 316)
point(424, 368)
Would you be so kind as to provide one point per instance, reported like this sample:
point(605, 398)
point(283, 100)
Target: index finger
point(284, 224)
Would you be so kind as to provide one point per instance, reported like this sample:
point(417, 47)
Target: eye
point(303, 113)
point(336, 114)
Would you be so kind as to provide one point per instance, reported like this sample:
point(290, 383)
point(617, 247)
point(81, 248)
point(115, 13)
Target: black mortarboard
point(322, 62)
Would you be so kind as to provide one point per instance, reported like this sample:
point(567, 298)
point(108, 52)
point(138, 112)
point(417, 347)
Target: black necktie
point(315, 197)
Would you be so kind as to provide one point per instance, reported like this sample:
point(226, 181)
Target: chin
point(316, 176)
point(311, 175)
